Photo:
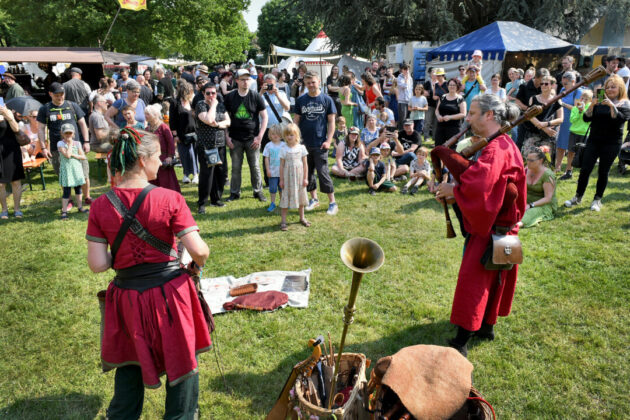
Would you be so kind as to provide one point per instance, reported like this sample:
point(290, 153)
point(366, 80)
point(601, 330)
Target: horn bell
point(362, 255)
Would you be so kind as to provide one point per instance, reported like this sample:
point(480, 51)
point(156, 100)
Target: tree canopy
point(283, 25)
point(207, 30)
point(368, 26)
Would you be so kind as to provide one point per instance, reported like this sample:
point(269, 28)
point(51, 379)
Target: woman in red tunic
point(482, 295)
point(166, 177)
point(154, 323)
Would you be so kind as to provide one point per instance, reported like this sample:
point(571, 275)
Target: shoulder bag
point(282, 120)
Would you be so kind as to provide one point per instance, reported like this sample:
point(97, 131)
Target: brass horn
point(361, 255)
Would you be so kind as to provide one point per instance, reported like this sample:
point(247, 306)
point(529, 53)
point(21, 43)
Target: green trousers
point(181, 399)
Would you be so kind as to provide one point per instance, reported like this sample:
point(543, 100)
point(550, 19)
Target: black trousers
point(317, 159)
point(181, 399)
point(606, 154)
point(211, 179)
point(263, 143)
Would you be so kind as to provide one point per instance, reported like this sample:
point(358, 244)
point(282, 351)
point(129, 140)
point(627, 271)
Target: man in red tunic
point(482, 295)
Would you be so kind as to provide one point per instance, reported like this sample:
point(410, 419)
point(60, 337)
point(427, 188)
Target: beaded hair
point(125, 152)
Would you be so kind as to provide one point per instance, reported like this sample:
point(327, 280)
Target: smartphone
point(1, 101)
point(601, 95)
point(390, 129)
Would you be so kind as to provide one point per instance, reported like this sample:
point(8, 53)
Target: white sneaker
point(573, 202)
point(332, 209)
point(195, 179)
point(596, 205)
point(313, 202)
point(185, 180)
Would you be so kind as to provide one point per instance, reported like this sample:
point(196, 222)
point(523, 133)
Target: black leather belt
point(146, 276)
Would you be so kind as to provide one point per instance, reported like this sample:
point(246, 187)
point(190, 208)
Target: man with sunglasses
point(248, 115)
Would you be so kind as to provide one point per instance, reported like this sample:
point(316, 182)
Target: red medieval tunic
point(479, 295)
point(138, 329)
point(166, 177)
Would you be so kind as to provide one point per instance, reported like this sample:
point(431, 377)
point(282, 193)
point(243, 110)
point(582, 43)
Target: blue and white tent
point(495, 41)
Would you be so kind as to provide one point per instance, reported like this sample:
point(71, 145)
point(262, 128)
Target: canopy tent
point(66, 55)
point(496, 41)
point(609, 36)
point(317, 56)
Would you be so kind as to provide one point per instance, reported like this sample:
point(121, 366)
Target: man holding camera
point(277, 104)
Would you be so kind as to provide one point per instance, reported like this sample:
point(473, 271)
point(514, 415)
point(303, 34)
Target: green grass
point(562, 353)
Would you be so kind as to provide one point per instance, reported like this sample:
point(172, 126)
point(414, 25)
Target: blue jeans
point(418, 125)
point(189, 159)
point(405, 159)
point(274, 184)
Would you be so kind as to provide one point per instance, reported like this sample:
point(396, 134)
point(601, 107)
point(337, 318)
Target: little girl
point(70, 169)
point(388, 161)
point(420, 171)
point(417, 106)
point(271, 155)
point(293, 176)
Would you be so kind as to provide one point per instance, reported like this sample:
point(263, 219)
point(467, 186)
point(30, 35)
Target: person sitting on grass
point(370, 132)
point(375, 177)
point(388, 161)
point(293, 176)
point(70, 169)
point(350, 153)
point(419, 171)
point(390, 136)
point(271, 154)
point(129, 113)
point(341, 131)
point(541, 191)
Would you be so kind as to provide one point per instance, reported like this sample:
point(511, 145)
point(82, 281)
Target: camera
point(269, 86)
point(390, 129)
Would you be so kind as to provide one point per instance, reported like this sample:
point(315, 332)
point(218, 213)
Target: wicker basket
point(353, 409)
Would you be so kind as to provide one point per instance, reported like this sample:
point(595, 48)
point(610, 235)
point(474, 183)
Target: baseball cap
point(385, 146)
point(66, 128)
point(354, 130)
point(478, 53)
point(375, 151)
point(56, 87)
point(408, 122)
point(242, 72)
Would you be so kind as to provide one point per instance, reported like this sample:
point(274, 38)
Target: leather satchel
point(502, 253)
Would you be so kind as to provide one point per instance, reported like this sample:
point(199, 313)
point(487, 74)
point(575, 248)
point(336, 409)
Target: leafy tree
point(282, 25)
point(368, 26)
point(200, 29)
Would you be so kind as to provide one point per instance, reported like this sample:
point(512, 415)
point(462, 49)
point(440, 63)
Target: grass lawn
point(562, 353)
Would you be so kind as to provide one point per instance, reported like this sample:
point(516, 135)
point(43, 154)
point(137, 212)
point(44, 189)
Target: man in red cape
point(482, 295)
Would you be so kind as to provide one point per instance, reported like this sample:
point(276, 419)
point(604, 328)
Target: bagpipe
point(457, 163)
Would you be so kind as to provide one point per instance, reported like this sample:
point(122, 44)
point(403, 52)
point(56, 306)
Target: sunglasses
point(210, 93)
point(545, 84)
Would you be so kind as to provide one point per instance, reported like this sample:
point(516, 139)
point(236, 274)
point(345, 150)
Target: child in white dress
point(293, 176)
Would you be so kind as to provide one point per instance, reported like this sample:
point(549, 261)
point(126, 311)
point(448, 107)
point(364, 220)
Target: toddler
point(420, 171)
point(293, 176)
point(129, 113)
point(70, 169)
point(341, 131)
point(271, 155)
point(388, 161)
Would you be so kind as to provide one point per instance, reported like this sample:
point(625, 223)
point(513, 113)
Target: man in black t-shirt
point(52, 116)
point(410, 140)
point(248, 115)
point(164, 85)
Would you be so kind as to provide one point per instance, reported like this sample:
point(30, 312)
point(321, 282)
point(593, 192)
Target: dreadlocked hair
point(129, 146)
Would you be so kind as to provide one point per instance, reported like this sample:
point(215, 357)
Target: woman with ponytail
point(153, 323)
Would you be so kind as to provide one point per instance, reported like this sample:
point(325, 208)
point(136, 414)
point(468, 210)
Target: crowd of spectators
point(376, 125)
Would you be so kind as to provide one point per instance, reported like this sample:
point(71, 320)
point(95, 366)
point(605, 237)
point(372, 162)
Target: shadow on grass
point(263, 389)
point(427, 202)
point(61, 406)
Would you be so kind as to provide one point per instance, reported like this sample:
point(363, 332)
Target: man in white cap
point(248, 114)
